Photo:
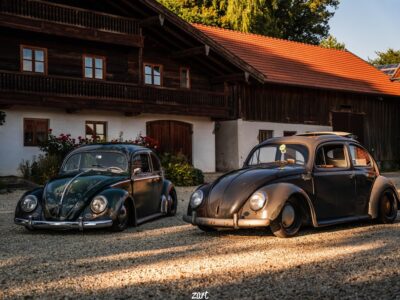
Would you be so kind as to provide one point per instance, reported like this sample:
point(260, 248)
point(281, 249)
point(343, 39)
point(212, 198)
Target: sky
point(366, 26)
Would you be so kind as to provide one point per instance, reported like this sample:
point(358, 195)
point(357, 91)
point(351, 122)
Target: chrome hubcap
point(388, 206)
point(123, 214)
point(288, 216)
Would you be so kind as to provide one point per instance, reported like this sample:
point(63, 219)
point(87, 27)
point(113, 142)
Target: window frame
point(33, 49)
point(346, 155)
point(188, 79)
point(370, 157)
point(142, 175)
point(105, 123)
point(93, 58)
point(34, 138)
point(152, 65)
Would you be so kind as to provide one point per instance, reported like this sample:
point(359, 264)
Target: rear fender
point(279, 193)
point(380, 185)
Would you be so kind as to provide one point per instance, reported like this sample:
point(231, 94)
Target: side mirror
point(136, 171)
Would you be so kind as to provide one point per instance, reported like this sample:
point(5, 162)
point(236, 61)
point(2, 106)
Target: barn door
point(174, 137)
point(349, 122)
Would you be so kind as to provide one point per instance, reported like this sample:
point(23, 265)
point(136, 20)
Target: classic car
point(316, 179)
point(98, 186)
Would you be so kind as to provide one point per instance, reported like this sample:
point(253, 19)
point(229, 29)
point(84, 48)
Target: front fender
point(278, 193)
point(380, 185)
point(38, 192)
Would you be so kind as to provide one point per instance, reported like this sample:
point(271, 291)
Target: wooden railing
point(107, 91)
point(69, 15)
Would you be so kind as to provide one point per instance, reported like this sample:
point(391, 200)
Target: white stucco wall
point(12, 150)
point(247, 138)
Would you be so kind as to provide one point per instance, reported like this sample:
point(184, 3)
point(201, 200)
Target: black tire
point(123, 219)
point(289, 221)
point(387, 207)
point(174, 206)
point(206, 228)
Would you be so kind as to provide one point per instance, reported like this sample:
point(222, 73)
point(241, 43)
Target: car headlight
point(99, 204)
point(29, 203)
point(196, 199)
point(257, 201)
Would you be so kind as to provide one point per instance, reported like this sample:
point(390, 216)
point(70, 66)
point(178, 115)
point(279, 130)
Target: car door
point(334, 182)
point(142, 184)
point(157, 181)
point(365, 176)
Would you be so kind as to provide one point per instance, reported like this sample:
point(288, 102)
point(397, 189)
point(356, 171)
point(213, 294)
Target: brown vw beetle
point(103, 185)
point(317, 178)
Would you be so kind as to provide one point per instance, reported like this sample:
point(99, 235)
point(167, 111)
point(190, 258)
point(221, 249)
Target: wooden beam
point(202, 50)
point(243, 76)
point(153, 21)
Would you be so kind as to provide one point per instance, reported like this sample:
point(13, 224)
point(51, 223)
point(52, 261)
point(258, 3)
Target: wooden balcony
point(51, 18)
point(77, 94)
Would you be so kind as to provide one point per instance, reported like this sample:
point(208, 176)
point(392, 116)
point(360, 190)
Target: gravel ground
point(169, 259)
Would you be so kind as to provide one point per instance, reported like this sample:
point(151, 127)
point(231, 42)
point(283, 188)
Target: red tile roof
point(295, 63)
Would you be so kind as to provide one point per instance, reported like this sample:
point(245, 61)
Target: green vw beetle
point(99, 186)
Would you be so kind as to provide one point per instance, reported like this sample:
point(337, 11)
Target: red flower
point(50, 130)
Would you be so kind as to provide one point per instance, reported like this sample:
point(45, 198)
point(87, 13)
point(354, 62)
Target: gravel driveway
point(169, 259)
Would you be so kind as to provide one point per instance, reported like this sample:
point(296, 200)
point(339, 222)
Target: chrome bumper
point(227, 223)
point(63, 225)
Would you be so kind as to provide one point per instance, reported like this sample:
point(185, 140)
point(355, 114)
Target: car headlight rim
point(257, 201)
point(29, 203)
point(196, 199)
point(99, 204)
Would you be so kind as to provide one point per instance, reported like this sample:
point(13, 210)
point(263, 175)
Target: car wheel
point(387, 208)
point(206, 228)
point(173, 199)
point(122, 220)
point(288, 223)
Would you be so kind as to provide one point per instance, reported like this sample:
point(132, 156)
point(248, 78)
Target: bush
point(40, 170)
point(178, 170)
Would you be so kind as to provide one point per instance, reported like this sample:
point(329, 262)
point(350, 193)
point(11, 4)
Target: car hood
point(66, 197)
point(228, 194)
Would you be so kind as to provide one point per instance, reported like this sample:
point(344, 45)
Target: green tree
point(297, 20)
point(332, 43)
point(388, 57)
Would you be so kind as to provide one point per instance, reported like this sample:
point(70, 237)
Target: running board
point(343, 220)
point(149, 218)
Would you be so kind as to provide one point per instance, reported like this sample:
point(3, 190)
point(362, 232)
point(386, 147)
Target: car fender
point(380, 185)
point(167, 187)
point(116, 198)
point(278, 193)
point(38, 192)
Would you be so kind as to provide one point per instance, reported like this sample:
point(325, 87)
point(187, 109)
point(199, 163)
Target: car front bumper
point(63, 225)
point(227, 223)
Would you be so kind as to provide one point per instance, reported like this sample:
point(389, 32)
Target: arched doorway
point(174, 136)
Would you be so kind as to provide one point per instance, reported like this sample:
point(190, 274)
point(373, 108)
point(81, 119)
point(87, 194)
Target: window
point(156, 163)
point(33, 60)
point(96, 130)
point(289, 133)
point(152, 74)
point(331, 156)
point(117, 162)
point(35, 131)
point(185, 78)
point(264, 135)
point(360, 157)
point(276, 154)
point(141, 161)
point(94, 67)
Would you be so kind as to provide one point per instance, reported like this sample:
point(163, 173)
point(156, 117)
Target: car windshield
point(279, 153)
point(110, 161)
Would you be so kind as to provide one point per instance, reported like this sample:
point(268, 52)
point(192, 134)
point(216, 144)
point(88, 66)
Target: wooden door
point(174, 137)
point(349, 122)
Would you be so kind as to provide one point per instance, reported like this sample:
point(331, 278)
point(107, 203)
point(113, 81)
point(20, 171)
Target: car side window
point(141, 161)
point(360, 157)
point(156, 163)
point(331, 156)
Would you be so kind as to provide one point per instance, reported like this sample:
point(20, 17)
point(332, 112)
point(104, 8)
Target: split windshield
point(109, 161)
point(279, 153)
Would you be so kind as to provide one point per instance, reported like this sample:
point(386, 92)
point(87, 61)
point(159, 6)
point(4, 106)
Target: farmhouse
point(119, 68)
